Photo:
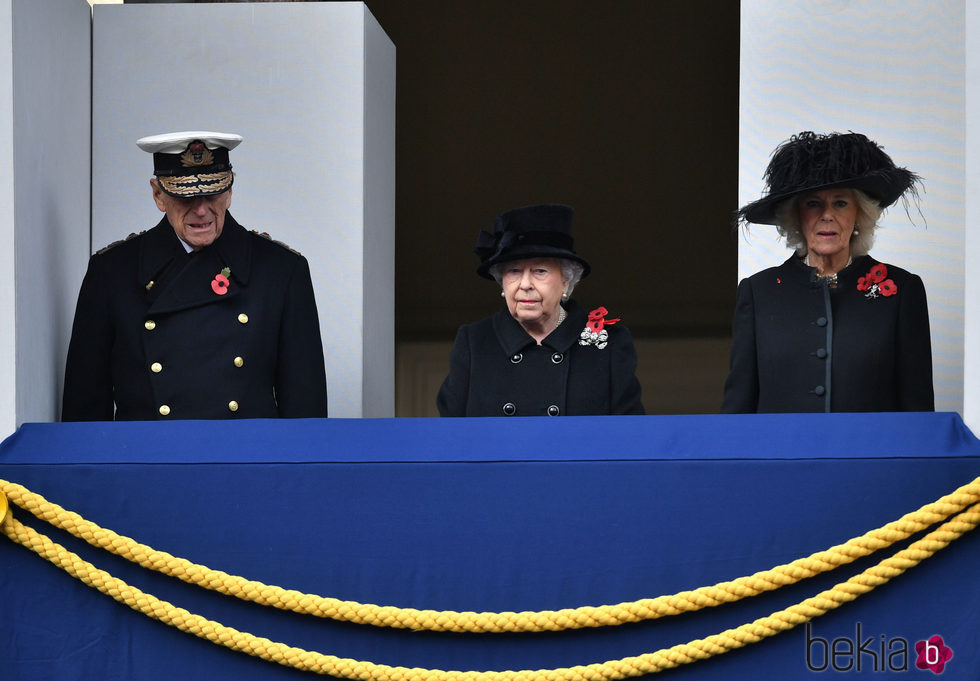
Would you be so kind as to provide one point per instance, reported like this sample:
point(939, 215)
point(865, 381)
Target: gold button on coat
point(156, 367)
point(164, 410)
point(243, 318)
point(150, 324)
point(233, 406)
point(239, 361)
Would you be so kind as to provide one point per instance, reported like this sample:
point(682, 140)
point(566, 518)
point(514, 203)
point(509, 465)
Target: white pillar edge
point(8, 333)
point(971, 293)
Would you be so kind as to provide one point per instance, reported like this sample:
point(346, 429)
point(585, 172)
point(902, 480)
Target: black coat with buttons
point(154, 337)
point(497, 369)
point(799, 345)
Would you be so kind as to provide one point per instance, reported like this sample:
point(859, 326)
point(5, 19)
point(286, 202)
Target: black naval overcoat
point(154, 337)
point(799, 345)
point(497, 369)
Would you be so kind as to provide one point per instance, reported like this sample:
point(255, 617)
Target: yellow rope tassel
point(490, 622)
point(612, 670)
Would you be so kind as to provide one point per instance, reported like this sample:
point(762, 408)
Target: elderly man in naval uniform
point(198, 317)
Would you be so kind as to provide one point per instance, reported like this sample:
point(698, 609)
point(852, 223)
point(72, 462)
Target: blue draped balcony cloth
point(489, 515)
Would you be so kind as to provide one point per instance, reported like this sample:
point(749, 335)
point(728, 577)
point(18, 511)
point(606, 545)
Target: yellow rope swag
point(966, 497)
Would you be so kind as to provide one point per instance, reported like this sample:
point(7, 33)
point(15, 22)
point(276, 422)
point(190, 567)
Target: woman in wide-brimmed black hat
point(542, 355)
point(831, 329)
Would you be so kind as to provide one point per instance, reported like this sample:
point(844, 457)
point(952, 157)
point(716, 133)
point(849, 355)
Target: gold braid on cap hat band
point(191, 185)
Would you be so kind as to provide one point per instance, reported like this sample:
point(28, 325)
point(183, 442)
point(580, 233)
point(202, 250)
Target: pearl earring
point(503, 294)
point(856, 229)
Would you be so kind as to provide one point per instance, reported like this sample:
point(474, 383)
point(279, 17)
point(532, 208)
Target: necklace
point(831, 279)
point(561, 316)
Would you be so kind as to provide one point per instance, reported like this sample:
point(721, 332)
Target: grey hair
point(571, 273)
point(863, 238)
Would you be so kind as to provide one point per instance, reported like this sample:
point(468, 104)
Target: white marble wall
point(44, 197)
point(8, 335)
point(971, 293)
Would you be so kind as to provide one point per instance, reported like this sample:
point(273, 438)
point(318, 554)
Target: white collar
point(187, 246)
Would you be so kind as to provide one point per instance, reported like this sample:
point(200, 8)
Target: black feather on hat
point(810, 162)
point(539, 231)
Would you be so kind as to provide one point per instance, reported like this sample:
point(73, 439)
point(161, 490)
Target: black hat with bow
point(540, 231)
point(811, 162)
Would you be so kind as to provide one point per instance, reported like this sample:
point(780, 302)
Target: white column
point(379, 221)
point(971, 295)
point(8, 317)
point(44, 197)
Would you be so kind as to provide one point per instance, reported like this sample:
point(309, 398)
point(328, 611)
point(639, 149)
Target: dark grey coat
point(800, 346)
point(138, 350)
point(497, 369)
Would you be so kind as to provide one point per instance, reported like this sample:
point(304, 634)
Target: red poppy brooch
point(876, 284)
point(594, 332)
point(220, 282)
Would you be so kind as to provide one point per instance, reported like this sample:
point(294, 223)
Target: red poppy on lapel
point(594, 333)
point(875, 283)
point(220, 283)
point(597, 320)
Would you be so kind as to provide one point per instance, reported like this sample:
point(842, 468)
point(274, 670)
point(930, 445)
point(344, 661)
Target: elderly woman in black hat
point(831, 329)
point(542, 355)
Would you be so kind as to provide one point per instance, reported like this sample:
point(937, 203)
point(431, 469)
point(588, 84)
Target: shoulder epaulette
point(121, 241)
point(265, 235)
